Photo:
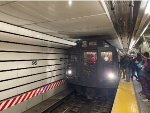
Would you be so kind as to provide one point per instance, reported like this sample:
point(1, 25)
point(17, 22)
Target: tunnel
point(59, 53)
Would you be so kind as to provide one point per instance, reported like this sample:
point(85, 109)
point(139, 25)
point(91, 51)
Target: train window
point(84, 43)
point(90, 58)
point(106, 56)
point(92, 43)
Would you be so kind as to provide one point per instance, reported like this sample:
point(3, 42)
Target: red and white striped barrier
point(23, 97)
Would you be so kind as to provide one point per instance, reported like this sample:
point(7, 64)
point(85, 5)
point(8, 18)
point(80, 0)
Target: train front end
point(93, 66)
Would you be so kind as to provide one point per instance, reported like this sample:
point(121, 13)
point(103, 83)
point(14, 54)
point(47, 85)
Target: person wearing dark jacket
point(145, 79)
point(133, 68)
point(127, 65)
point(122, 69)
point(138, 62)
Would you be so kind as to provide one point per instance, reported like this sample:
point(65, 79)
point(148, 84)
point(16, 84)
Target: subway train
point(92, 65)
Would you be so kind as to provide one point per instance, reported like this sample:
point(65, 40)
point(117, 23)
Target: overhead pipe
point(112, 18)
point(144, 22)
point(117, 25)
point(131, 5)
point(130, 29)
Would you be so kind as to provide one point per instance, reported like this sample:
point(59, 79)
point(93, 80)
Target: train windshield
point(90, 58)
point(106, 56)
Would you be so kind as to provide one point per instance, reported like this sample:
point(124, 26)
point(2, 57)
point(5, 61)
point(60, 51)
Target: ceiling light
point(132, 44)
point(147, 10)
point(70, 2)
point(144, 30)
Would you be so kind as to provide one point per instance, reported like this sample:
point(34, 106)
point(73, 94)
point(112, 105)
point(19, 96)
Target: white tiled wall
point(7, 72)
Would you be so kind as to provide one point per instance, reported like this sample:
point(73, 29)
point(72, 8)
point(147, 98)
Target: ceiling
point(58, 18)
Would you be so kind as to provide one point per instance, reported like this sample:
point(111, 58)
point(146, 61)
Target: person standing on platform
point(122, 68)
point(146, 77)
point(139, 63)
point(127, 65)
point(133, 66)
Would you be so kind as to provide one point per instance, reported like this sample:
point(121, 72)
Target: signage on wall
point(34, 62)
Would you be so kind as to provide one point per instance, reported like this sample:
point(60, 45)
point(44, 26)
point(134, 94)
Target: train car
point(93, 64)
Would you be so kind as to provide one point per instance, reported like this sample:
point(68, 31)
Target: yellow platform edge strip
point(125, 100)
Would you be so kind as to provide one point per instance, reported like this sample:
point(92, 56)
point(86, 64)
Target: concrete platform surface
point(144, 107)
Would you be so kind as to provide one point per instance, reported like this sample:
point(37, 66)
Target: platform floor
point(125, 100)
point(144, 107)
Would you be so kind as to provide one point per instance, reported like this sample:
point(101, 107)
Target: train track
point(78, 104)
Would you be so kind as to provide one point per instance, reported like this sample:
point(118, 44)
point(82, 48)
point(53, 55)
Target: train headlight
point(69, 72)
point(111, 75)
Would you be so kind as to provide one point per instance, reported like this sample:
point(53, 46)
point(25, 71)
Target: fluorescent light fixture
point(144, 30)
point(70, 2)
point(147, 10)
point(132, 43)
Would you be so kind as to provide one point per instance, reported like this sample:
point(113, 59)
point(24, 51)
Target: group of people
point(138, 67)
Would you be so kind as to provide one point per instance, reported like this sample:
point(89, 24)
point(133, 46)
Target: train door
point(89, 66)
point(106, 63)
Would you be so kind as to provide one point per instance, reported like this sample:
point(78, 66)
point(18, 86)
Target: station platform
point(125, 99)
point(144, 107)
